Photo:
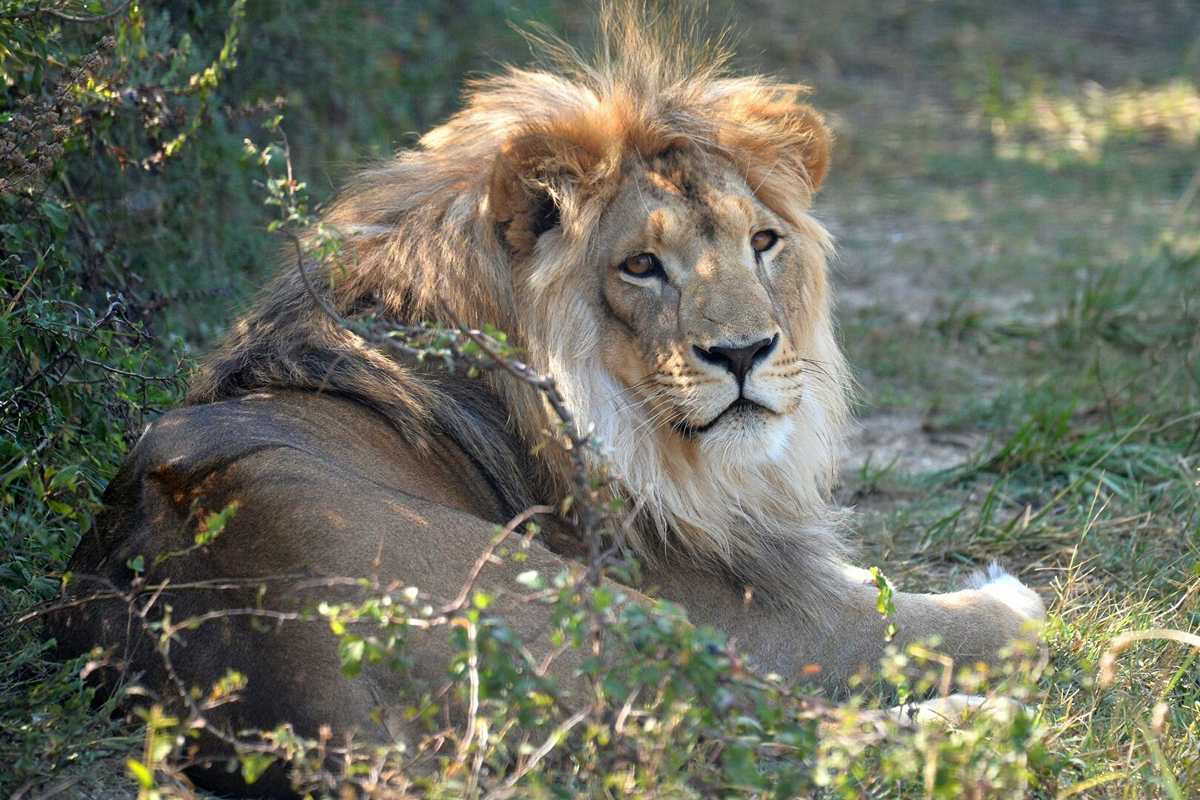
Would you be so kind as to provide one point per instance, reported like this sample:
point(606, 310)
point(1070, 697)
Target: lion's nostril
point(739, 360)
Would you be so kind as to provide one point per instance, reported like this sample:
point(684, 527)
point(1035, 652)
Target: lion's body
point(328, 489)
point(710, 370)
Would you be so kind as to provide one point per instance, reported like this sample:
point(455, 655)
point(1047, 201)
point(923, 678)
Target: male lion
point(640, 227)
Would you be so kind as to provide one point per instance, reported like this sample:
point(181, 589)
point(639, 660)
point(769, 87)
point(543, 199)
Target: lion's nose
point(738, 359)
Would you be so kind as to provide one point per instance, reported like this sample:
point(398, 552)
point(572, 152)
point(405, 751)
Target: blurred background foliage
point(1040, 155)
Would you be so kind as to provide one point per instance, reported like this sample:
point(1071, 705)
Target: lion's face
point(705, 299)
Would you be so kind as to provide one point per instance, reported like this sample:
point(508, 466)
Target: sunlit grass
point(1052, 129)
point(1033, 290)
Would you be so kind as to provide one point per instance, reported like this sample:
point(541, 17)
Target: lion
point(641, 226)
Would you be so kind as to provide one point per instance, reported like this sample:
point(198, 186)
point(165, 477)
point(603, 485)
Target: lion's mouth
point(738, 407)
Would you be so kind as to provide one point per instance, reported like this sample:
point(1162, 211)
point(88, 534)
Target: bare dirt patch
point(905, 443)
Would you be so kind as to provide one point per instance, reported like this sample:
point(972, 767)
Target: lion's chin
point(746, 437)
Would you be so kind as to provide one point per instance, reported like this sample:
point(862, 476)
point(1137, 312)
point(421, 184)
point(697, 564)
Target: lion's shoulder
point(329, 435)
point(196, 439)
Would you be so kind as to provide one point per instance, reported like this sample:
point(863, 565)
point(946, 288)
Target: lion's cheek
point(623, 360)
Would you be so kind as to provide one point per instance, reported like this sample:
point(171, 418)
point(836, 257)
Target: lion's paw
point(955, 709)
point(996, 582)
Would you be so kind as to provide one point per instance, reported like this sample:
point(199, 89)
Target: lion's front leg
point(847, 634)
point(975, 623)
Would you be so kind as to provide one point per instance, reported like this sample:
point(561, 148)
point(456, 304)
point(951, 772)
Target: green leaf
point(214, 524)
point(140, 772)
point(59, 507)
point(885, 602)
point(351, 650)
point(56, 215)
point(254, 765)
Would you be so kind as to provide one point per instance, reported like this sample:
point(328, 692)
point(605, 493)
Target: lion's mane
point(457, 221)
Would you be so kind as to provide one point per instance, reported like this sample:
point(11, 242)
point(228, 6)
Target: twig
point(108, 314)
point(486, 556)
point(1108, 661)
point(543, 750)
point(58, 13)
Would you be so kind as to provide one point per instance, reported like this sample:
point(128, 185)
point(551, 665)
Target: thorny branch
point(425, 343)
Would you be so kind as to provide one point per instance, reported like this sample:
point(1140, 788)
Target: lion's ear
point(765, 131)
point(532, 179)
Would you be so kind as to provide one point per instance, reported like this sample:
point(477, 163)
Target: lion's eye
point(764, 240)
point(643, 265)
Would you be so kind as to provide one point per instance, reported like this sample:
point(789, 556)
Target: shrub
point(129, 223)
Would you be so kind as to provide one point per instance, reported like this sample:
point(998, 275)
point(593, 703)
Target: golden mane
point(455, 221)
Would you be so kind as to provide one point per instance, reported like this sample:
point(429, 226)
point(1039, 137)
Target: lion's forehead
point(676, 199)
point(701, 182)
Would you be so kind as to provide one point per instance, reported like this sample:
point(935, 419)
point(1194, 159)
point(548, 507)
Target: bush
point(129, 223)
